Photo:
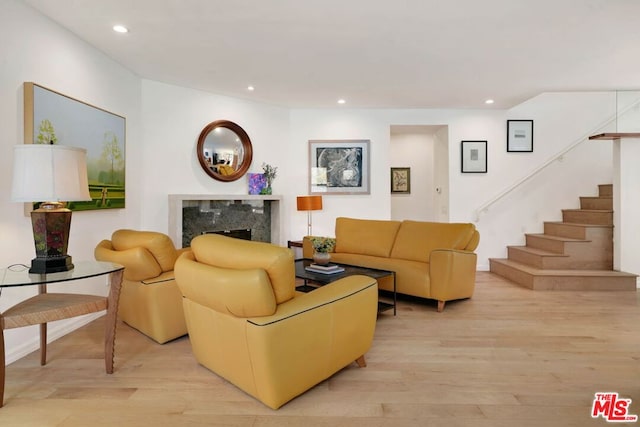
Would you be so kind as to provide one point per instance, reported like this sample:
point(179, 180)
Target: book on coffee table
point(324, 269)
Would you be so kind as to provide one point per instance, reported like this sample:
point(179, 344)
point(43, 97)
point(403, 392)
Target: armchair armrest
point(138, 262)
point(181, 251)
point(452, 273)
point(326, 329)
point(348, 287)
point(307, 247)
point(242, 293)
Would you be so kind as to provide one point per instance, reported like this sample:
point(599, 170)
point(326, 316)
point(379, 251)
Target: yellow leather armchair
point(150, 300)
point(247, 323)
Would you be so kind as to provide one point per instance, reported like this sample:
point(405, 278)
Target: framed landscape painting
point(53, 118)
point(339, 167)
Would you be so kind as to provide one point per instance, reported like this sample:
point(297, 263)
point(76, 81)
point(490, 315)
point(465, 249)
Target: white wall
point(415, 151)
point(35, 49)
point(628, 111)
point(441, 174)
point(173, 118)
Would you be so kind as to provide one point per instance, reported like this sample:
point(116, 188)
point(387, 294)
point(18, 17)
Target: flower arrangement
point(323, 244)
point(270, 173)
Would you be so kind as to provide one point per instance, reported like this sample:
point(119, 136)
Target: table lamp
point(309, 203)
point(51, 174)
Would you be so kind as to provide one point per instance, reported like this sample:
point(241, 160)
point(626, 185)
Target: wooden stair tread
point(556, 238)
point(614, 135)
point(536, 251)
point(579, 224)
point(588, 210)
point(597, 197)
point(567, 273)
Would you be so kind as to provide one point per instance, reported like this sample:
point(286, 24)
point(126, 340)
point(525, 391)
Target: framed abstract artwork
point(53, 118)
point(520, 136)
point(474, 156)
point(400, 180)
point(339, 167)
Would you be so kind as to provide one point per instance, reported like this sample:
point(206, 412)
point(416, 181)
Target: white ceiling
point(373, 53)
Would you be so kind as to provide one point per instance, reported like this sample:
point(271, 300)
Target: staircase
point(575, 254)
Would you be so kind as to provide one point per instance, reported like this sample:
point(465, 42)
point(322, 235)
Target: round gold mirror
point(224, 150)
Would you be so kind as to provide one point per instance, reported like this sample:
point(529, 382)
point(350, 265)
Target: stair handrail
point(558, 156)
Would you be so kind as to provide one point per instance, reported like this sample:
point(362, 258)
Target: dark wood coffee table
point(321, 279)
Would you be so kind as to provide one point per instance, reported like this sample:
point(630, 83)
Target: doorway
point(424, 149)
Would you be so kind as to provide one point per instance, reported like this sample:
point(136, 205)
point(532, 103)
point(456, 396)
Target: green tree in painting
point(111, 153)
point(46, 133)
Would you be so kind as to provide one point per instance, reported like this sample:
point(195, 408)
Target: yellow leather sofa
point(150, 300)
point(248, 324)
point(431, 259)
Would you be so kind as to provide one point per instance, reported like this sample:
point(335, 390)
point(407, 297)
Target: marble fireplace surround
point(177, 202)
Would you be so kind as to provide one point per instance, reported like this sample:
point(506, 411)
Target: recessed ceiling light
point(250, 88)
point(341, 101)
point(489, 101)
point(120, 29)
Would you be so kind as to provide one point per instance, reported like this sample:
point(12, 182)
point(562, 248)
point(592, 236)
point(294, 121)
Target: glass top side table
point(47, 307)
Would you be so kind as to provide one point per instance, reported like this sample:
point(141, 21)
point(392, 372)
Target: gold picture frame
point(400, 180)
point(53, 118)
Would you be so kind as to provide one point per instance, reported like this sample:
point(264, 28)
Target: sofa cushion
point(416, 239)
point(365, 236)
point(412, 277)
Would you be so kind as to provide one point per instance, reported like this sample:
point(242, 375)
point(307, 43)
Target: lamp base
point(44, 265)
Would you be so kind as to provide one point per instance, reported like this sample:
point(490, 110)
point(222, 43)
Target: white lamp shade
point(49, 173)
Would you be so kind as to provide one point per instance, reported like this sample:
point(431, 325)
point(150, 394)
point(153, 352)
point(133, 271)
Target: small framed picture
point(401, 180)
point(474, 156)
point(520, 136)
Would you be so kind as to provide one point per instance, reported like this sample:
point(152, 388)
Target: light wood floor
point(507, 357)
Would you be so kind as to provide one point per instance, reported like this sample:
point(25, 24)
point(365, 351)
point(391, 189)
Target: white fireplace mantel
point(176, 204)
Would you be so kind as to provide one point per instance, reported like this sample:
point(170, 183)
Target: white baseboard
point(62, 329)
point(482, 267)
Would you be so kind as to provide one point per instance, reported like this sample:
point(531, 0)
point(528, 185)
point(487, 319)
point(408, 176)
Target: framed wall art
point(53, 118)
point(520, 136)
point(474, 156)
point(339, 167)
point(257, 182)
point(400, 180)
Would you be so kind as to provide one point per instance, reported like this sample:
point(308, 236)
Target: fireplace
point(191, 215)
point(242, 233)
